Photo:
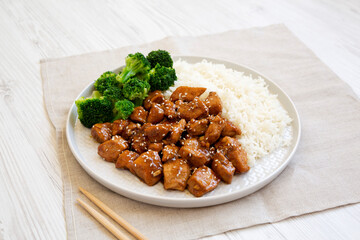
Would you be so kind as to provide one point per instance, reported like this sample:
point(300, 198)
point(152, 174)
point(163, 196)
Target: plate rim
point(186, 202)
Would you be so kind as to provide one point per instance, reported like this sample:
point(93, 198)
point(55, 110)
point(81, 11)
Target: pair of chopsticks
point(106, 223)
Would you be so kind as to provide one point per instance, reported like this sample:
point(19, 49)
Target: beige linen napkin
point(324, 172)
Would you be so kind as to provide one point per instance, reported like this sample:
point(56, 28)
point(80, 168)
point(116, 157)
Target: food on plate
point(122, 109)
point(105, 81)
point(139, 115)
point(160, 57)
point(222, 167)
point(110, 149)
point(136, 65)
point(246, 102)
point(202, 181)
point(186, 94)
point(170, 152)
point(115, 96)
point(213, 102)
point(94, 109)
point(161, 78)
point(156, 113)
point(154, 97)
point(102, 132)
point(187, 150)
point(232, 149)
point(191, 129)
point(148, 167)
point(176, 174)
point(135, 89)
point(126, 160)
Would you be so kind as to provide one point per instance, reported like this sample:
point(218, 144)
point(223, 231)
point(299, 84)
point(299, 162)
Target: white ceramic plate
point(123, 182)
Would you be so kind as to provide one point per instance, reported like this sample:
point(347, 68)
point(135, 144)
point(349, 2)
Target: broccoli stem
point(125, 75)
point(96, 94)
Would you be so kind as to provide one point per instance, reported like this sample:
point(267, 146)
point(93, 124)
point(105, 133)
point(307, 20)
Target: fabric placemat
point(324, 172)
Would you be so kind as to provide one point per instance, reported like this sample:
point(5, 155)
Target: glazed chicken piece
point(168, 122)
point(186, 94)
point(170, 152)
point(139, 142)
point(230, 129)
point(214, 130)
point(191, 142)
point(192, 110)
point(126, 160)
point(169, 109)
point(197, 127)
point(194, 153)
point(195, 156)
point(148, 167)
point(213, 102)
point(118, 126)
point(156, 133)
point(176, 131)
point(156, 114)
point(239, 159)
point(130, 130)
point(202, 181)
point(111, 149)
point(139, 115)
point(101, 132)
point(222, 167)
point(176, 174)
point(154, 97)
point(157, 147)
point(232, 149)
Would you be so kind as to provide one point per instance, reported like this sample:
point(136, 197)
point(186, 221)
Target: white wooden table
point(30, 181)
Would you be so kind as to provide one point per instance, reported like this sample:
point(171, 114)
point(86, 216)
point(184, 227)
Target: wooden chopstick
point(101, 219)
point(113, 215)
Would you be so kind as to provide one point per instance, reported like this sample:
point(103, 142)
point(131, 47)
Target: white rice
point(247, 102)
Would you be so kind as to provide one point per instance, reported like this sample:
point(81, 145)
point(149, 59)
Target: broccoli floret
point(114, 94)
point(106, 80)
point(95, 109)
point(138, 102)
point(123, 109)
point(95, 94)
point(136, 65)
point(161, 57)
point(161, 78)
point(135, 88)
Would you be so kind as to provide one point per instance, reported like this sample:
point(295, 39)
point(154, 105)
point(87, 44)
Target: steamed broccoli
point(135, 88)
point(95, 109)
point(138, 101)
point(114, 94)
point(123, 109)
point(136, 65)
point(161, 78)
point(106, 80)
point(161, 57)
